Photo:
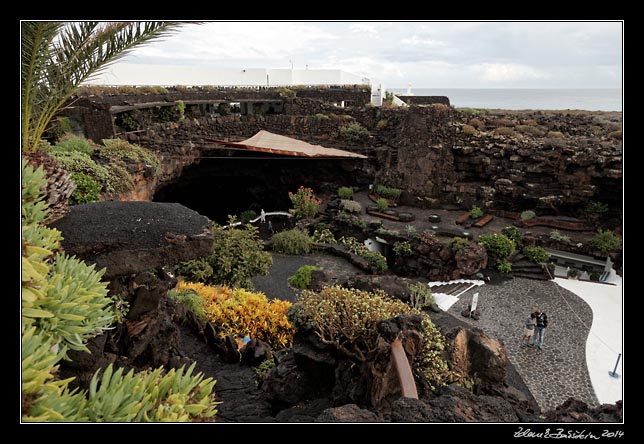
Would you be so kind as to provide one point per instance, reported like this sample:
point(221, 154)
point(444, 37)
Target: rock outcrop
point(131, 239)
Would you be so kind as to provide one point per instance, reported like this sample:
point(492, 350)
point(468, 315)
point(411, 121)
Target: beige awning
point(267, 142)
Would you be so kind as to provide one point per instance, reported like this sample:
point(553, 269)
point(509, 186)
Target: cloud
point(445, 54)
point(507, 72)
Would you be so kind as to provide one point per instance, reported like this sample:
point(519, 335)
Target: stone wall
point(550, 162)
point(424, 100)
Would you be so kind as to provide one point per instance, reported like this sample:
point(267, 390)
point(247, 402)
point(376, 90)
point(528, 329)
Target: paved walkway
point(557, 372)
point(605, 340)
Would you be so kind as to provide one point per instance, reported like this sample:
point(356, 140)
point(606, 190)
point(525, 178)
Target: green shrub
point(126, 121)
point(118, 179)
point(181, 109)
point(513, 233)
point(403, 249)
point(387, 192)
point(87, 189)
point(196, 270)
point(504, 266)
point(594, 209)
point(497, 245)
point(120, 149)
point(476, 212)
point(372, 257)
point(70, 143)
point(350, 206)
point(410, 229)
point(192, 300)
point(456, 243)
point(382, 204)
point(305, 204)
point(238, 255)
point(388, 231)
point(302, 277)
point(346, 318)
point(353, 132)
point(536, 254)
point(247, 216)
point(606, 242)
point(557, 236)
point(324, 236)
point(528, 214)
point(345, 193)
point(293, 241)
point(77, 162)
point(262, 369)
point(420, 295)
point(320, 116)
point(382, 124)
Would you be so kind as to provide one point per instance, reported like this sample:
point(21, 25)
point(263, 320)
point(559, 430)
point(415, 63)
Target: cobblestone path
point(558, 371)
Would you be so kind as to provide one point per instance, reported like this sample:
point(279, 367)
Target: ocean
point(551, 99)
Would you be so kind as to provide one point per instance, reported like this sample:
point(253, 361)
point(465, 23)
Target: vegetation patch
point(606, 242)
point(345, 193)
point(70, 143)
point(302, 277)
point(387, 192)
point(536, 254)
point(246, 313)
point(87, 189)
point(238, 255)
point(305, 204)
point(354, 132)
point(476, 212)
point(513, 233)
point(456, 243)
point(497, 245)
point(294, 242)
point(350, 206)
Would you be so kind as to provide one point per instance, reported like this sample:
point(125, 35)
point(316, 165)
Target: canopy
point(274, 143)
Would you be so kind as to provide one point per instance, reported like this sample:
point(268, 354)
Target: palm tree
point(56, 57)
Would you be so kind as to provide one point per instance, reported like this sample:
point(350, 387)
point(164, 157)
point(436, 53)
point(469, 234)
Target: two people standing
point(535, 327)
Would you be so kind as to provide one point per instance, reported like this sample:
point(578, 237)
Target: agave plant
point(56, 57)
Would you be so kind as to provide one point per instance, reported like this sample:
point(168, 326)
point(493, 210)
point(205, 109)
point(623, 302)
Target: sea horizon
point(589, 99)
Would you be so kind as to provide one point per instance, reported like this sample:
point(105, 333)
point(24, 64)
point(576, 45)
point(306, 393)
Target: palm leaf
point(57, 57)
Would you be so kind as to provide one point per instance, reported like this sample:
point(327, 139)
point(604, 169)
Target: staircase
point(447, 293)
point(522, 267)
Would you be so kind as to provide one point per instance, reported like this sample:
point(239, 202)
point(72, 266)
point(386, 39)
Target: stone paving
point(557, 372)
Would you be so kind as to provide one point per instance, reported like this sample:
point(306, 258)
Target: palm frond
point(58, 57)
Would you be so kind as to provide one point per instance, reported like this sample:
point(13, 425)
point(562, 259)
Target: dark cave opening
point(220, 186)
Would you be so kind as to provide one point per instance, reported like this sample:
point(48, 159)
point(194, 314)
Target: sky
point(399, 54)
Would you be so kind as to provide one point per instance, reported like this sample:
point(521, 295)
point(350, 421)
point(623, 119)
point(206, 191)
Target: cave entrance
point(218, 186)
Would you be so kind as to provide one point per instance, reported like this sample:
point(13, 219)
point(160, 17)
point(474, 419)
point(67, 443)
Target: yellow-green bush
point(64, 303)
point(347, 318)
point(121, 149)
point(247, 313)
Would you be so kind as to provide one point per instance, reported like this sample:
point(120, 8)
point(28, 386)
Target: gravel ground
point(275, 283)
point(558, 371)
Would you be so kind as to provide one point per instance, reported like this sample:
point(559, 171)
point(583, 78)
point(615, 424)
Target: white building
point(164, 75)
point(170, 75)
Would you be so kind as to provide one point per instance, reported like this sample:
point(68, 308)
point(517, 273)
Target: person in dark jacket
point(541, 322)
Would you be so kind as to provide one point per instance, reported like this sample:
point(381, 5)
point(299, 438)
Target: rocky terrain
point(311, 381)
